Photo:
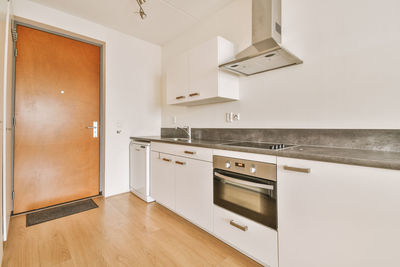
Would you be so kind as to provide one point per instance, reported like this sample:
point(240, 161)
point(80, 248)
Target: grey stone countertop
point(368, 158)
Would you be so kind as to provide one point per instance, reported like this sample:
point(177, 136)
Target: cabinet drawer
point(192, 152)
point(256, 240)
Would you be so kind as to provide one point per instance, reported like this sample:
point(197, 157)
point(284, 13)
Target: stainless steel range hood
point(265, 53)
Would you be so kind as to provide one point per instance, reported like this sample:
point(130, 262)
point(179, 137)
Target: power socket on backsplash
point(231, 117)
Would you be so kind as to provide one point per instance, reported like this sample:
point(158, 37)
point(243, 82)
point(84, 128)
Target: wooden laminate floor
point(123, 231)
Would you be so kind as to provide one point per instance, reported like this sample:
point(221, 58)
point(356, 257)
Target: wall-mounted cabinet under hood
point(265, 53)
point(193, 78)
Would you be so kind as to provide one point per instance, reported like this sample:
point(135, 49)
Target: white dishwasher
point(139, 169)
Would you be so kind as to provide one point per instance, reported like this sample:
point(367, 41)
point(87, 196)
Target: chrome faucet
point(187, 130)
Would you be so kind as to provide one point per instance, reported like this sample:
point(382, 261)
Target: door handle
point(190, 152)
point(242, 182)
point(194, 94)
point(94, 127)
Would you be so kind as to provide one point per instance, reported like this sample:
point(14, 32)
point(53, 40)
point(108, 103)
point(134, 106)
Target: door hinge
point(14, 34)
point(13, 195)
point(14, 121)
point(16, 52)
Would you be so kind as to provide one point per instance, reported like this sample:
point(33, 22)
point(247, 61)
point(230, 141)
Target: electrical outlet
point(231, 117)
point(236, 117)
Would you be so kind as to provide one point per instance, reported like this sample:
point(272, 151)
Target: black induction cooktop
point(269, 146)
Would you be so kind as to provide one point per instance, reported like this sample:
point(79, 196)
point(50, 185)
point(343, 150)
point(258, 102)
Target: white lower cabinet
point(183, 182)
point(250, 237)
point(163, 179)
point(329, 214)
point(337, 215)
point(193, 191)
point(183, 185)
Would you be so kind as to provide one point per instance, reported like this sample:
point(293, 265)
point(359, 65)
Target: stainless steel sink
point(186, 140)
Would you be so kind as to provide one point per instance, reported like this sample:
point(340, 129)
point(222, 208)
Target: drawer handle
point(295, 169)
point(244, 228)
point(190, 152)
point(180, 163)
point(180, 97)
point(194, 94)
point(167, 160)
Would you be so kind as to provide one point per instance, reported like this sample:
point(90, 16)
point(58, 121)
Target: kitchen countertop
point(368, 158)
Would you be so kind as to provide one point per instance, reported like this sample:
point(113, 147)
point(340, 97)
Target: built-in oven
point(247, 188)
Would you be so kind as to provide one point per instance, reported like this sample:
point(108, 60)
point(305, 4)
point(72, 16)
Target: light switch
point(228, 117)
point(119, 124)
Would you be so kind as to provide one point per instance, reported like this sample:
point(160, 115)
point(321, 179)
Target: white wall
point(350, 77)
point(7, 59)
point(4, 13)
point(133, 75)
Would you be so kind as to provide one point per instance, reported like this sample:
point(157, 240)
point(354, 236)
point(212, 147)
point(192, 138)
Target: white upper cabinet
point(194, 78)
point(178, 80)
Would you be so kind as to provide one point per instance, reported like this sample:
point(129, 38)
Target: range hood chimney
point(265, 53)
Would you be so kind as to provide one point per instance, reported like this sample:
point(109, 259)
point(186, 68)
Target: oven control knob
point(227, 164)
point(253, 169)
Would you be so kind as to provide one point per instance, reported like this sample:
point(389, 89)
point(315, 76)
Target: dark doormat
point(59, 212)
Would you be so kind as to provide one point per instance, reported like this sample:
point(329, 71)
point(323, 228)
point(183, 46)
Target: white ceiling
point(165, 20)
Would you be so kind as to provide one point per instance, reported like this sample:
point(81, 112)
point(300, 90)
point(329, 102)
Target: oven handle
point(238, 181)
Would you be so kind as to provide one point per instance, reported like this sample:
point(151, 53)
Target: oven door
point(251, 197)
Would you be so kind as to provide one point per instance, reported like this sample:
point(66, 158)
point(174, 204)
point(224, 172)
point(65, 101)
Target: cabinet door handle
point(190, 152)
point(180, 97)
point(296, 169)
point(180, 162)
point(167, 160)
point(194, 94)
point(244, 228)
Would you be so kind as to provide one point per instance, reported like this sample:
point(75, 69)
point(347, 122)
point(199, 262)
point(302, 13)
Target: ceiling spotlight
point(141, 12)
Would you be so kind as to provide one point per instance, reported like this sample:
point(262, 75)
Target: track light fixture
point(141, 12)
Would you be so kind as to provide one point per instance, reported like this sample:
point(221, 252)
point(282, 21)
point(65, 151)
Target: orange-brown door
point(57, 97)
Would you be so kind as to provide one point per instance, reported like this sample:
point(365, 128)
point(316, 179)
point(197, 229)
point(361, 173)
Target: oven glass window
point(251, 197)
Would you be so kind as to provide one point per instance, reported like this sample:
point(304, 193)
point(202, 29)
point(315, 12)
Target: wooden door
point(57, 96)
